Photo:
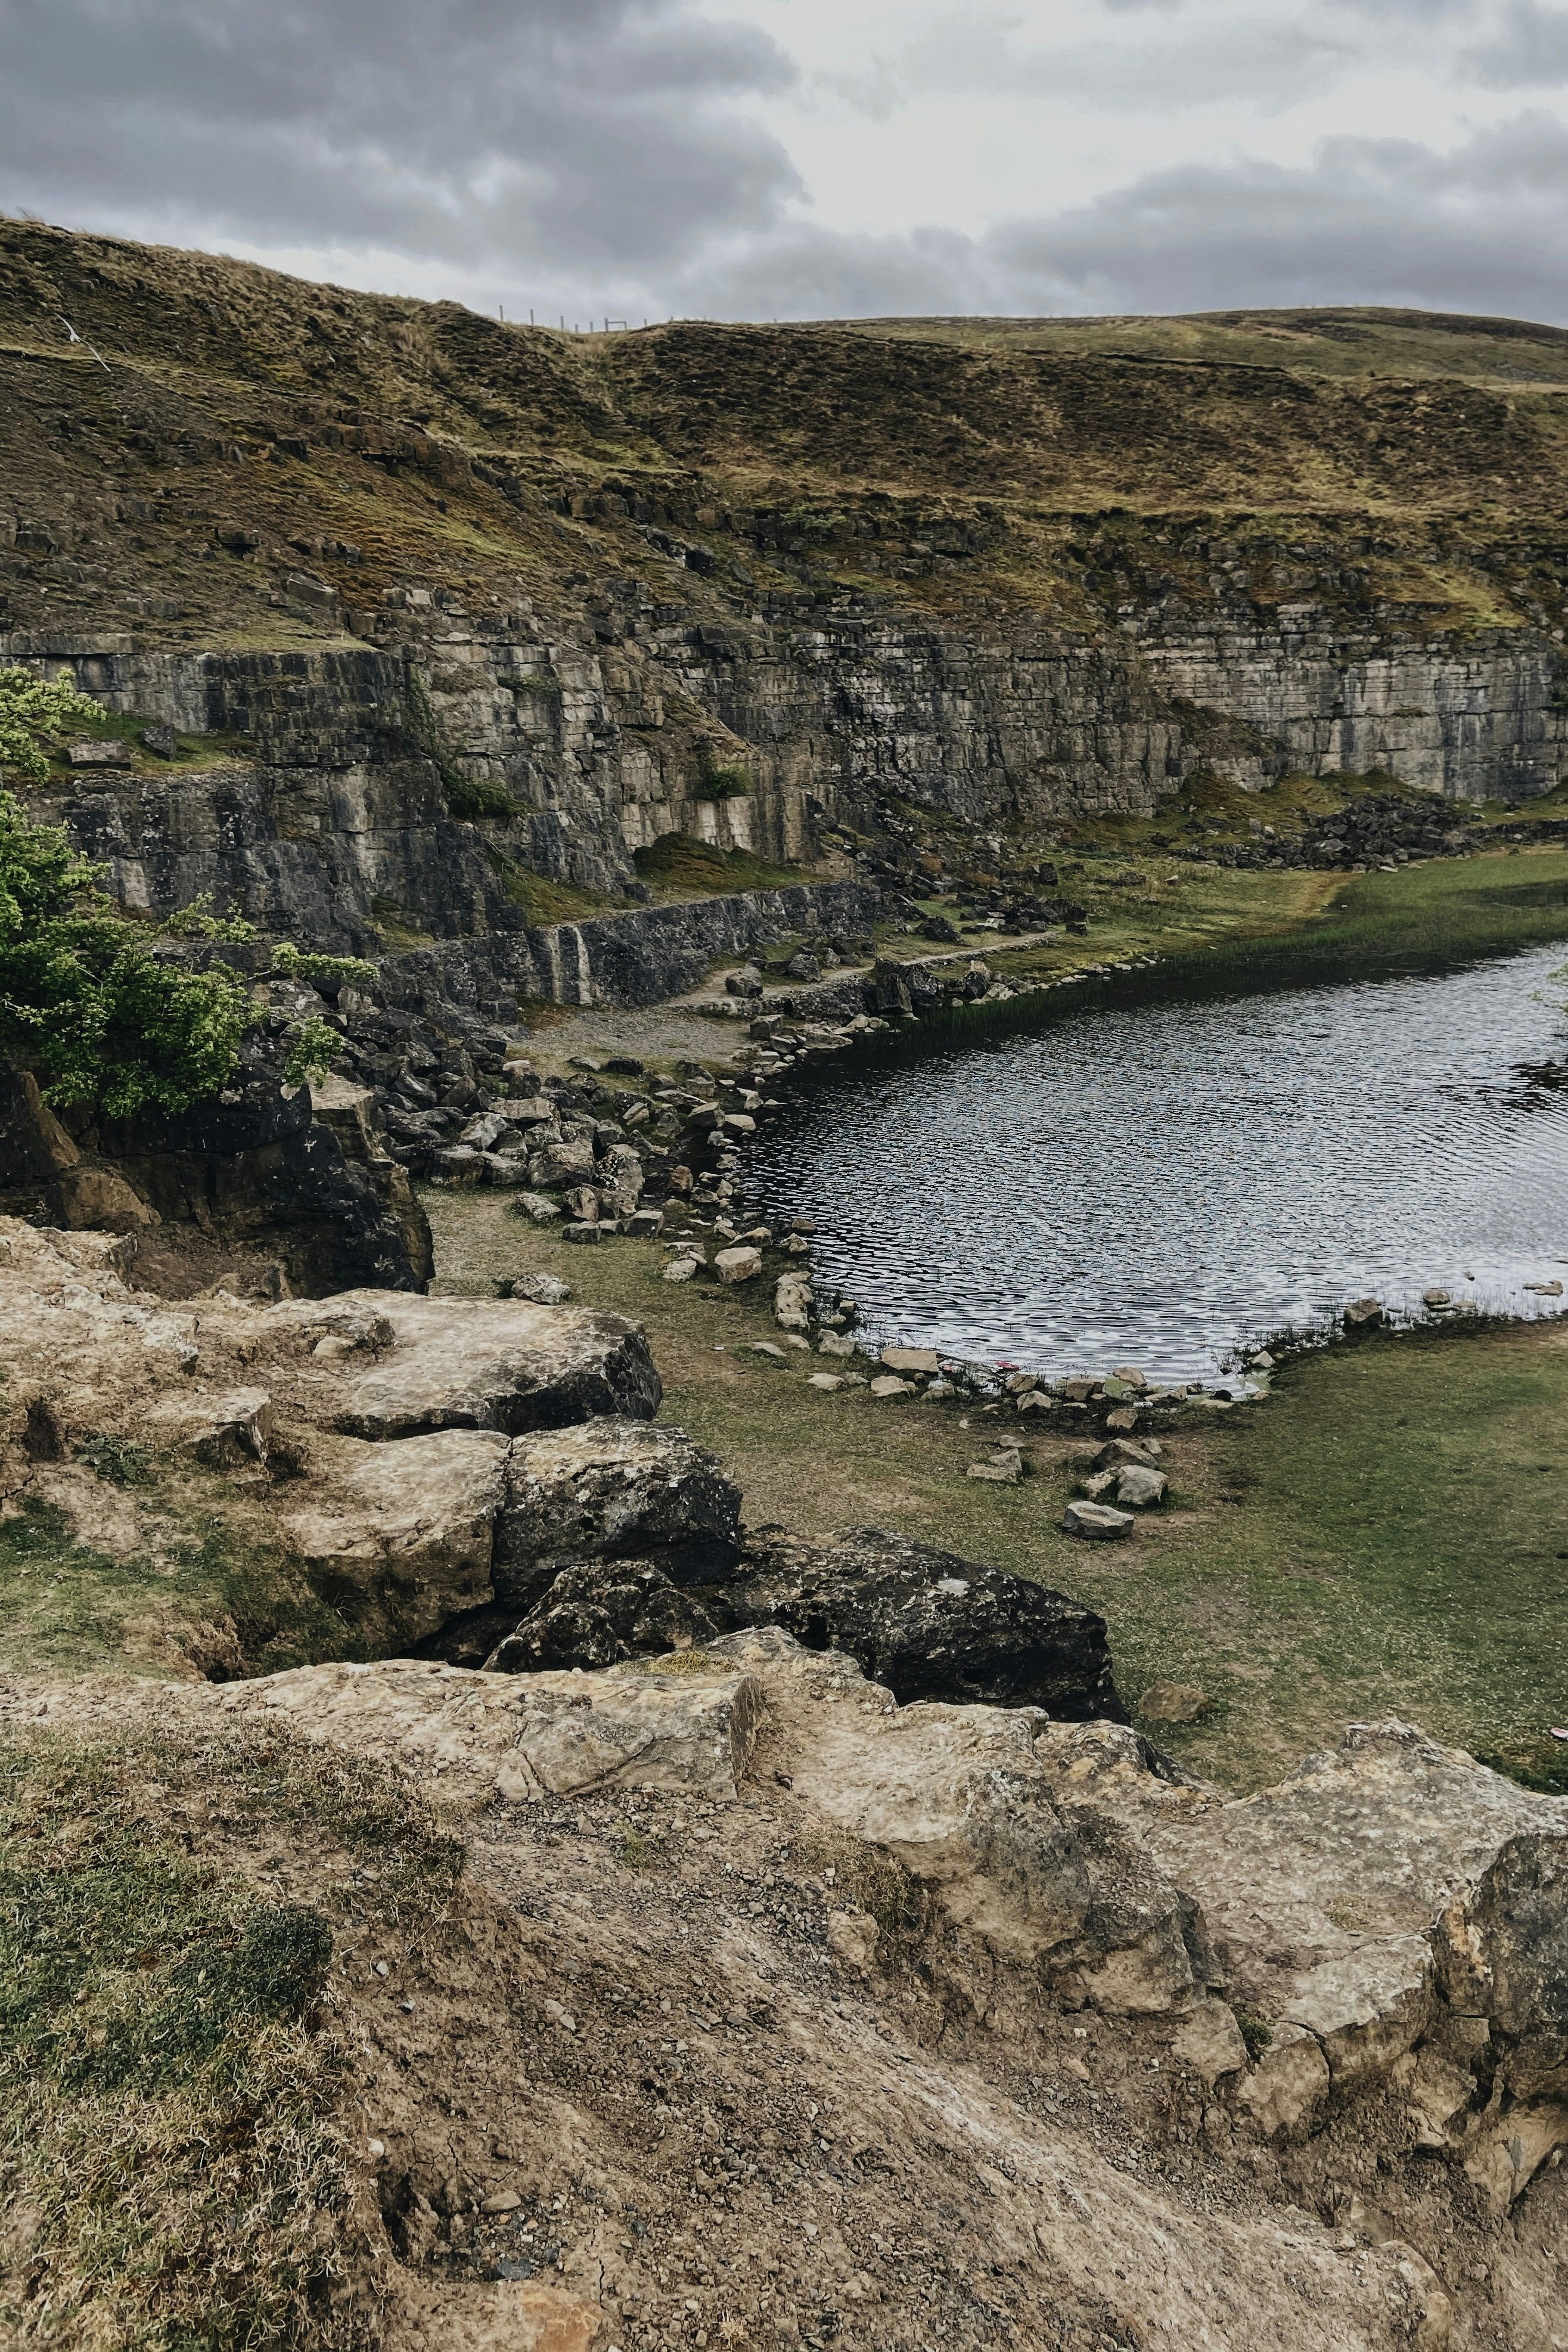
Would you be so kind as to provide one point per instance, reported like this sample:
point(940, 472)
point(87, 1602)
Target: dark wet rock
point(926, 1624)
point(598, 1613)
point(614, 1488)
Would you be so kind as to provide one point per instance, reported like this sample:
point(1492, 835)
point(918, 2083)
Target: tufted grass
point(175, 2168)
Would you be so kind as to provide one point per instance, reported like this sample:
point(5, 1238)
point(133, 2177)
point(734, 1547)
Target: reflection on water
point(1152, 1184)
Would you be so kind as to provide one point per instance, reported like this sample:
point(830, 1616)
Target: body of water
point(1156, 1184)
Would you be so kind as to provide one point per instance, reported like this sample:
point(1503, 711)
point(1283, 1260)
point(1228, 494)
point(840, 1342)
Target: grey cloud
point(1274, 65)
point(1531, 50)
point(498, 134)
point(1484, 228)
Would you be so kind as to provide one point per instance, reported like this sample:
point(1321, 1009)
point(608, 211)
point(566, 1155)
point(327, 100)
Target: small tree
point(31, 707)
point(103, 1009)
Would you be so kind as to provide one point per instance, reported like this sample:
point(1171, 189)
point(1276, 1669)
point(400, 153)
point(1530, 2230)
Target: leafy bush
point(724, 785)
point(311, 1055)
point(85, 997)
point(34, 706)
point(101, 1008)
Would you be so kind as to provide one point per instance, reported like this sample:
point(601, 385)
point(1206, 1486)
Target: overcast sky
point(816, 158)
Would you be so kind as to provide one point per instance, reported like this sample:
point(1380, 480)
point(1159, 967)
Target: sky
point(811, 158)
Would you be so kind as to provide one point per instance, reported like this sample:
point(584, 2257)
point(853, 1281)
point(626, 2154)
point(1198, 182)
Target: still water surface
point(1154, 1184)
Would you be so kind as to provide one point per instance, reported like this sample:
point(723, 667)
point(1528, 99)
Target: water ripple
point(1155, 1184)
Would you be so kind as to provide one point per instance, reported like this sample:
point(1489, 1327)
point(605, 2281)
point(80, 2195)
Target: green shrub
point(465, 795)
point(724, 785)
point(314, 1049)
point(32, 708)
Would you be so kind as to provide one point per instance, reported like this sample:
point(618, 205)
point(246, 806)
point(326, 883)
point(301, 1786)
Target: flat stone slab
point(404, 1533)
point(525, 1736)
point(476, 1363)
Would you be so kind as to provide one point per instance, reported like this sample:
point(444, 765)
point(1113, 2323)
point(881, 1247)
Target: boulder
point(956, 1796)
point(1173, 1703)
point(599, 1613)
point(220, 1431)
point(541, 1289)
point(1363, 1315)
point(1139, 1488)
point(96, 1199)
point(615, 1489)
point(793, 1300)
point(1096, 1522)
point(905, 1360)
point(682, 1269)
point(738, 1264)
point(559, 1164)
point(1389, 1892)
point(926, 1624)
point(493, 1364)
point(399, 1537)
point(523, 1737)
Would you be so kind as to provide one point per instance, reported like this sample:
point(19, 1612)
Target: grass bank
point(177, 2156)
point(1387, 1535)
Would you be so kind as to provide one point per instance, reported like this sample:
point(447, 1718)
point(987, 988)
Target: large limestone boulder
point(1392, 1911)
point(956, 1795)
point(613, 1488)
point(520, 1736)
point(493, 1364)
point(925, 1623)
point(399, 1537)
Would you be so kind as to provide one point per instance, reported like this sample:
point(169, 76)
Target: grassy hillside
point(216, 429)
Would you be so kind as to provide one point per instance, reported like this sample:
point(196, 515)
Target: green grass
point(173, 2166)
point(208, 1588)
point(1381, 1537)
point(678, 865)
point(1389, 1535)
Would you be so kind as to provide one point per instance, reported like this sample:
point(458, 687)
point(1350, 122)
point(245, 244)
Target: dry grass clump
point(175, 2168)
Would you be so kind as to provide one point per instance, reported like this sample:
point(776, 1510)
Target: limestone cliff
point(437, 605)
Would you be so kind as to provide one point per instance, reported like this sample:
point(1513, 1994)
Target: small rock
point(739, 1264)
point(1034, 1400)
point(1002, 1469)
point(766, 1348)
point(1209, 2042)
point(1079, 1389)
point(507, 2201)
point(745, 983)
point(1124, 1417)
point(536, 1206)
point(1264, 1362)
point(1363, 1315)
point(1096, 1522)
point(1130, 1378)
point(889, 1386)
point(160, 741)
point(1173, 1703)
point(542, 1289)
point(792, 1302)
point(835, 1343)
point(106, 754)
point(1546, 1289)
point(909, 1359)
point(1121, 1450)
point(582, 1230)
point(1435, 1298)
point(645, 1224)
point(803, 967)
point(681, 1269)
point(1138, 1488)
point(826, 1382)
point(1100, 1483)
